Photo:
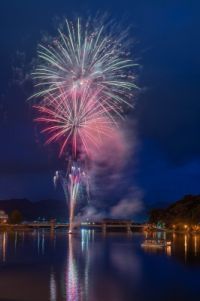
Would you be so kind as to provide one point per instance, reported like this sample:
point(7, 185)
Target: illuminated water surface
point(40, 265)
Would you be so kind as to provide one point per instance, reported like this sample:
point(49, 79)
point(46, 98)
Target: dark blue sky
point(167, 45)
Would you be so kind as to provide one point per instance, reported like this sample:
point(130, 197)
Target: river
point(89, 266)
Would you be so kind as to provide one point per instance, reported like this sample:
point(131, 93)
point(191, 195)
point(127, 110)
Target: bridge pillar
point(104, 228)
point(52, 224)
point(128, 227)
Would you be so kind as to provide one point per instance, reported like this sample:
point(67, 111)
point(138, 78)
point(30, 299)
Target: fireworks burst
point(81, 121)
point(81, 56)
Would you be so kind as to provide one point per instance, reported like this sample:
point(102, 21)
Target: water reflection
point(38, 241)
point(185, 245)
point(71, 274)
point(195, 245)
point(80, 246)
point(53, 292)
point(16, 236)
point(77, 266)
point(87, 266)
point(4, 245)
point(169, 250)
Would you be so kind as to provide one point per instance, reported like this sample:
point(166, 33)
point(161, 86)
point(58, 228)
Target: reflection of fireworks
point(72, 275)
point(83, 79)
point(85, 56)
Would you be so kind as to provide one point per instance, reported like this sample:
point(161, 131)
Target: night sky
point(166, 38)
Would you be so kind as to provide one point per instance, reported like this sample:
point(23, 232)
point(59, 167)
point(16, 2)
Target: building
point(3, 217)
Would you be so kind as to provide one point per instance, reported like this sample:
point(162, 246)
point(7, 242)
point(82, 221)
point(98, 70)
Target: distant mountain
point(32, 210)
point(186, 210)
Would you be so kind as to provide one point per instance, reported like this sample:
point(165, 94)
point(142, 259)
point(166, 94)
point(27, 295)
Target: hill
point(186, 210)
point(32, 210)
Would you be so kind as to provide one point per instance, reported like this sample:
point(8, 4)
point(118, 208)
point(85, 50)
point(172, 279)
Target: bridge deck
point(64, 225)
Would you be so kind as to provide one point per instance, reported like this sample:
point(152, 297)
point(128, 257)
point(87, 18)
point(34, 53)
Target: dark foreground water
point(40, 265)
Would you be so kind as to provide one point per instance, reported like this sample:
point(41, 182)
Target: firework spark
point(80, 121)
point(71, 184)
point(81, 56)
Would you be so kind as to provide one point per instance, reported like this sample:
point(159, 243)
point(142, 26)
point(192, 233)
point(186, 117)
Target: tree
point(15, 217)
point(156, 215)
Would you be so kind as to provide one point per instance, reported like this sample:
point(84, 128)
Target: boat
point(156, 243)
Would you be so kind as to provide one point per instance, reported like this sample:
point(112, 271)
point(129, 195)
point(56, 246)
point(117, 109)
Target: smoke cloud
point(129, 206)
point(111, 176)
point(110, 162)
point(90, 213)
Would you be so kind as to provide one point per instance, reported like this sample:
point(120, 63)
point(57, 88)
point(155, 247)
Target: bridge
point(103, 226)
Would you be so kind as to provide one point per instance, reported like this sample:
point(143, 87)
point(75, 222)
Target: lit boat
point(153, 243)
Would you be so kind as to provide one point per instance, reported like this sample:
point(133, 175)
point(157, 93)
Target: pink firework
point(80, 120)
